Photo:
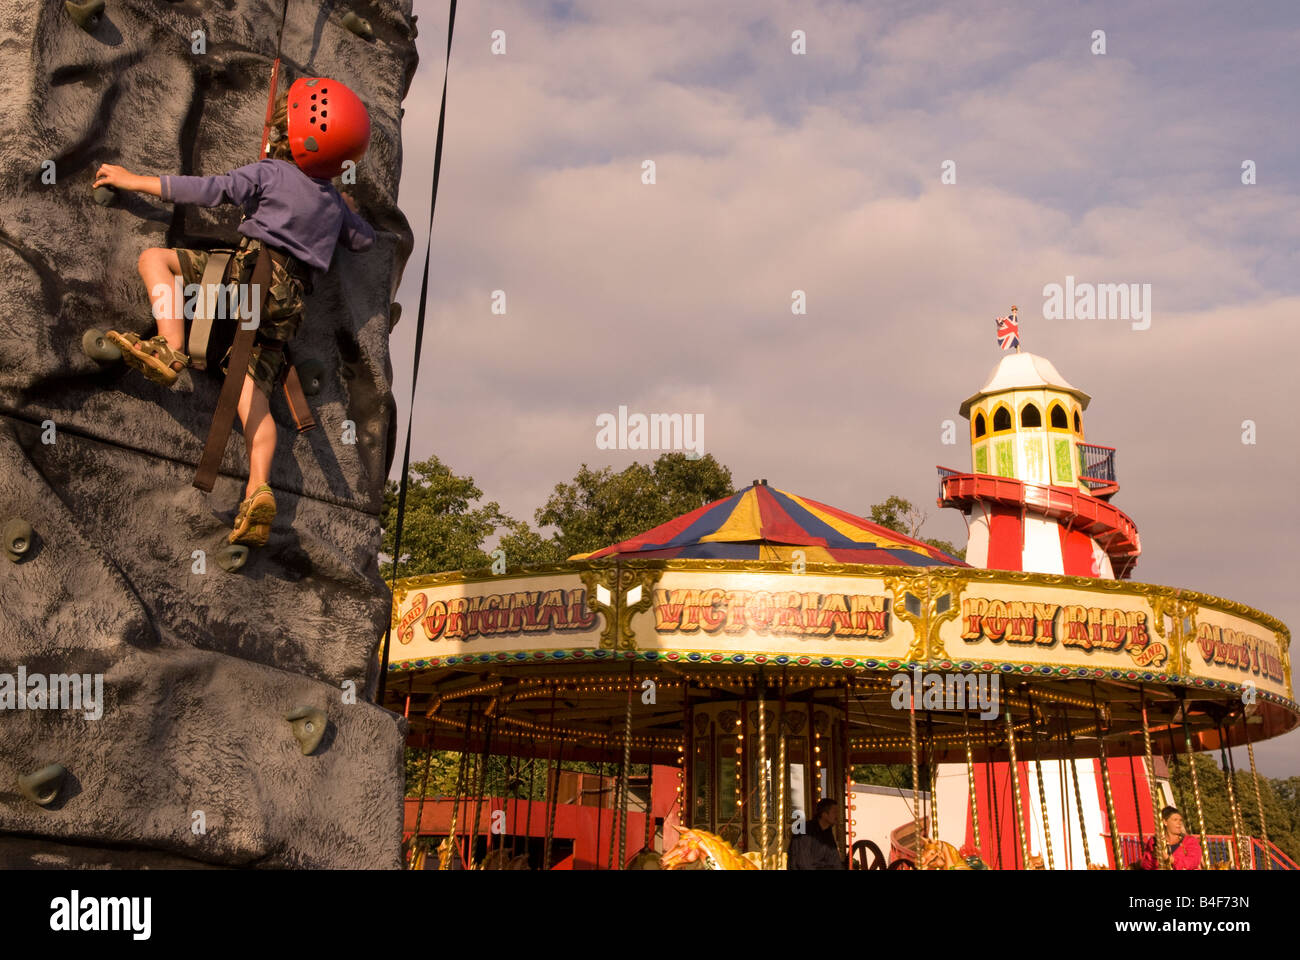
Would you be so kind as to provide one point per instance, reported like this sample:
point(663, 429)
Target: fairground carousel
point(761, 646)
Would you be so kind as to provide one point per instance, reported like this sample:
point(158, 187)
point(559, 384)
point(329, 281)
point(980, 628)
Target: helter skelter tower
point(1038, 497)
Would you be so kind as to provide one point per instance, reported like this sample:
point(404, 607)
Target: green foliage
point(601, 507)
point(441, 529)
point(884, 774)
point(902, 516)
point(1280, 798)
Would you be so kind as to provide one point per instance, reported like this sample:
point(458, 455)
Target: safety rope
point(415, 368)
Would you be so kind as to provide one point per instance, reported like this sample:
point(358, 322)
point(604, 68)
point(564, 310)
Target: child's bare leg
point(259, 434)
point(159, 267)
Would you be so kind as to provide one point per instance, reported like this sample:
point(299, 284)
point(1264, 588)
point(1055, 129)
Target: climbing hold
point(310, 144)
point(232, 556)
point(105, 196)
point(99, 349)
point(17, 538)
point(85, 15)
point(42, 787)
point(394, 315)
point(308, 727)
point(359, 26)
point(311, 375)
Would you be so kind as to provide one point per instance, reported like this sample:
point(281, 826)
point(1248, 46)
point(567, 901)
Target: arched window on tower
point(1001, 419)
point(1030, 416)
point(1057, 417)
point(1078, 426)
point(981, 425)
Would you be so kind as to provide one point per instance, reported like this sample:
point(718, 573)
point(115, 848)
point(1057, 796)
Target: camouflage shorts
point(278, 324)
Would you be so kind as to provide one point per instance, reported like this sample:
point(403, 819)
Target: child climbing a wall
point(294, 215)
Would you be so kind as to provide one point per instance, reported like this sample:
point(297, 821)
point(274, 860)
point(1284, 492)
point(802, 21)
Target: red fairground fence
point(1220, 852)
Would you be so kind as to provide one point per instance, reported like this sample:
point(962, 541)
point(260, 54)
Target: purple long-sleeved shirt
point(284, 208)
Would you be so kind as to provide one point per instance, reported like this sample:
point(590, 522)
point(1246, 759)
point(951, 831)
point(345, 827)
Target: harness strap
point(298, 405)
point(228, 401)
point(214, 276)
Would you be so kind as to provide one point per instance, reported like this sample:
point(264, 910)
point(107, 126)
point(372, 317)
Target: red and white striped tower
point(1038, 497)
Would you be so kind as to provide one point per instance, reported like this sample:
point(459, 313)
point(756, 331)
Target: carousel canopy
point(763, 523)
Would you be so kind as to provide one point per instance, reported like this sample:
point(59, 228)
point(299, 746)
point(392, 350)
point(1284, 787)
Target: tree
point(601, 507)
point(441, 530)
point(899, 515)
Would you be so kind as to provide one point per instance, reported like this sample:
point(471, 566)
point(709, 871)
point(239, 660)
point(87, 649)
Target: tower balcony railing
point(1098, 467)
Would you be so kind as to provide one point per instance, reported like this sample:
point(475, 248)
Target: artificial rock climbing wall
point(191, 760)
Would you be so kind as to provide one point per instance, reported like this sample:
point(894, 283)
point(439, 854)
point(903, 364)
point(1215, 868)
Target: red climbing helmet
point(328, 125)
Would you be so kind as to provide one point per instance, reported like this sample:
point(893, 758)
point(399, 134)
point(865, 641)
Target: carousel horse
point(939, 855)
point(500, 859)
point(708, 849)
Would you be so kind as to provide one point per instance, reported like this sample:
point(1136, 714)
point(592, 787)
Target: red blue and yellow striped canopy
point(763, 523)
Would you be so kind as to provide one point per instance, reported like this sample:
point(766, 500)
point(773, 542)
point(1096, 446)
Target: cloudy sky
point(822, 172)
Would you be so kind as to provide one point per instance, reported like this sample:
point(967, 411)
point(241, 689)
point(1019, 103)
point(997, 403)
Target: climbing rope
point(415, 370)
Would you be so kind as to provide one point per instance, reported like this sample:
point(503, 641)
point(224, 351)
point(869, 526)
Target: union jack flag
point(1008, 332)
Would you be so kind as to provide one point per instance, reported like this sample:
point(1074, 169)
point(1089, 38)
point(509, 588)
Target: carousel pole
point(1038, 775)
point(419, 811)
point(762, 770)
point(1112, 822)
point(686, 762)
point(552, 784)
point(1162, 846)
point(1259, 797)
point(532, 793)
point(1196, 783)
point(916, 779)
point(462, 774)
point(627, 765)
point(970, 779)
point(991, 784)
point(846, 782)
point(650, 803)
point(1229, 772)
point(480, 783)
point(1015, 783)
point(933, 765)
point(783, 787)
point(1078, 794)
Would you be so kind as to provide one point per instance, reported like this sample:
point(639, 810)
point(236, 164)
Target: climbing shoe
point(152, 357)
point(253, 521)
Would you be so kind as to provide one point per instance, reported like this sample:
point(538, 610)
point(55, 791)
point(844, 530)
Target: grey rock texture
point(199, 668)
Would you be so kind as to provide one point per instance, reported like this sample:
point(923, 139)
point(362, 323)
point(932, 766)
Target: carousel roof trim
point(765, 523)
point(1024, 371)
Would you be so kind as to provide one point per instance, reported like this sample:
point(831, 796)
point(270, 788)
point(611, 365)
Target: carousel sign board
point(503, 614)
point(772, 613)
point(1234, 649)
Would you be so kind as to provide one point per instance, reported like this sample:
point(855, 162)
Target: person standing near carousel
point(816, 848)
point(1184, 849)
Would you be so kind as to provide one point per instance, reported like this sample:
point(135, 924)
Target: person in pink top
point(1184, 849)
